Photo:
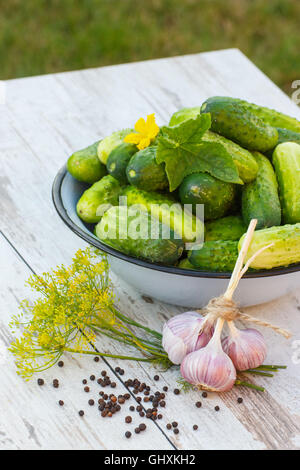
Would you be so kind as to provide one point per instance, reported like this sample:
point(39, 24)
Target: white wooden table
point(42, 122)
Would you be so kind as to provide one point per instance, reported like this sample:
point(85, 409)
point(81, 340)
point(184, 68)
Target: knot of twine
point(227, 309)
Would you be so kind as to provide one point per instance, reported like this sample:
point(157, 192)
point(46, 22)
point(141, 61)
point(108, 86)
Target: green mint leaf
point(183, 151)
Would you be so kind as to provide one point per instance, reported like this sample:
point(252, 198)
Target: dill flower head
point(74, 303)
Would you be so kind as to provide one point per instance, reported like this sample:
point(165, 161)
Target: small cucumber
point(118, 160)
point(260, 198)
point(285, 251)
point(217, 255)
point(234, 119)
point(109, 143)
point(202, 188)
point(84, 165)
point(168, 211)
point(244, 160)
point(144, 173)
point(286, 160)
point(130, 233)
point(231, 227)
point(284, 135)
point(98, 198)
point(185, 264)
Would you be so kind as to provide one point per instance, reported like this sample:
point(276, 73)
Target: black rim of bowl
point(58, 203)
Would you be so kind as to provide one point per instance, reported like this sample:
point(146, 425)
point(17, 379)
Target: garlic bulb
point(183, 334)
point(210, 368)
point(246, 348)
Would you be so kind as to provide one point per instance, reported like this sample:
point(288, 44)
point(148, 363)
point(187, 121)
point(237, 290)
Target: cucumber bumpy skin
point(118, 225)
point(184, 114)
point(118, 159)
point(84, 165)
point(109, 143)
point(104, 193)
point(218, 255)
point(202, 188)
point(231, 227)
point(168, 211)
point(286, 249)
point(286, 160)
point(233, 119)
point(260, 198)
point(243, 159)
point(144, 173)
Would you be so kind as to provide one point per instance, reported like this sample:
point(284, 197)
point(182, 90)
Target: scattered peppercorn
point(176, 431)
point(91, 402)
point(156, 378)
point(128, 434)
point(96, 359)
point(174, 424)
point(162, 403)
point(176, 391)
point(159, 416)
point(142, 426)
point(61, 403)
point(131, 408)
point(117, 369)
point(165, 389)
point(198, 404)
point(217, 408)
point(137, 430)
point(240, 400)
point(86, 389)
point(103, 373)
point(92, 377)
point(195, 427)
point(121, 372)
point(40, 382)
point(113, 385)
point(60, 364)
point(128, 419)
point(81, 413)
point(204, 394)
point(55, 383)
point(84, 381)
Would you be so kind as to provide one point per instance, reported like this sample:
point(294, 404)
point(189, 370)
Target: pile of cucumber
point(265, 148)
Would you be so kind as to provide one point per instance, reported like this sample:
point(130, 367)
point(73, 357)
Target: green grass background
point(42, 36)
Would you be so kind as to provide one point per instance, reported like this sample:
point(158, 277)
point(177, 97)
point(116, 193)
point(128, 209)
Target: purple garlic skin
point(181, 335)
point(246, 348)
point(209, 370)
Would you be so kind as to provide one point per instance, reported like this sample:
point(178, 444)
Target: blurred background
point(42, 36)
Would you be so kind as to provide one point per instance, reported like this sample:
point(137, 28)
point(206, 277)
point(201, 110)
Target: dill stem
point(114, 356)
point(246, 384)
point(129, 321)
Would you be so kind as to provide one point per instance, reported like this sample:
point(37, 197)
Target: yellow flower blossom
point(146, 131)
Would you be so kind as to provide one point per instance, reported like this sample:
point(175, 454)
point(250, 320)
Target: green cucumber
point(109, 143)
point(231, 227)
point(130, 232)
point(184, 114)
point(144, 173)
point(185, 264)
point(168, 211)
point(273, 118)
point(285, 251)
point(202, 188)
point(260, 198)
point(118, 160)
point(285, 135)
point(244, 160)
point(217, 255)
point(98, 198)
point(286, 160)
point(84, 165)
point(234, 119)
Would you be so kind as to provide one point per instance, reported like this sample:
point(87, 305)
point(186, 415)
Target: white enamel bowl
point(167, 283)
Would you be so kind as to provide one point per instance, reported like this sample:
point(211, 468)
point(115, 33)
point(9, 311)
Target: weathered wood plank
point(46, 118)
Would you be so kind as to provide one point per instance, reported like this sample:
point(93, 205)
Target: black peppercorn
point(81, 413)
point(92, 377)
point(60, 364)
point(96, 359)
point(217, 408)
point(142, 426)
point(86, 389)
point(195, 427)
point(240, 400)
point(128, 434)
point(156, 378)
point(198, 404)
point(176, 431)
point(61, 403)
point(204, 394)
point(91, 402)
point(128, 419)
point(176, 391)
point(40, 382)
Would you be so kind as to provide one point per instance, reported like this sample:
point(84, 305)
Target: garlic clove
point(210, 368)
point(182, 334)
point(246, 348)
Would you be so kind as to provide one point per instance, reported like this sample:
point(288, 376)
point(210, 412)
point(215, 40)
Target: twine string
point(226, 308)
